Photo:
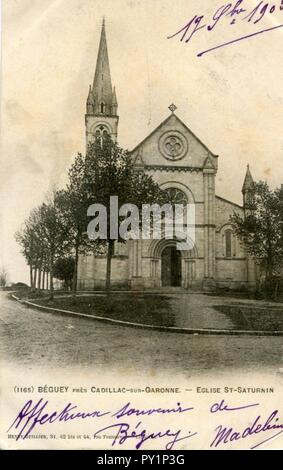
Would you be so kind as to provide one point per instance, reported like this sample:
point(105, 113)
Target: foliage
point(32, 245)
point(261, 232)
point(43, 238)
point(64, 270)
point(3, 277)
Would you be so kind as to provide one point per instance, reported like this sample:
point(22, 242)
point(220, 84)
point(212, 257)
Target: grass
point(157, 310)
point(244, 293)
point(137, 308)
point(35, 294)
point(235, 293)
point(252, 318)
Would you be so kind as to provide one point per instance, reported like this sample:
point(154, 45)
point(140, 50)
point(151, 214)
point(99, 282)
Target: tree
point(261, 232)
point(110, 172)
point(53, 231)
point(64, 270)
point(74, 203)
point(43, 238)
point(3, 277)
point(57, 228)
point(33, 249)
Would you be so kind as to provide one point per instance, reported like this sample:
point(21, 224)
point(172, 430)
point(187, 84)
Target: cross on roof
point(172, 108)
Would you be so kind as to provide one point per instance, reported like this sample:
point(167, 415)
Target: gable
point(224, 209)
point(172, 143)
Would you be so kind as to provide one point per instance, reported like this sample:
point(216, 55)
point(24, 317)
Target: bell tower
point(248, 191)
point(101, 106)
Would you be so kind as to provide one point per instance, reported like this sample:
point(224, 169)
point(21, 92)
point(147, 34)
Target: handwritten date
point(233, 12)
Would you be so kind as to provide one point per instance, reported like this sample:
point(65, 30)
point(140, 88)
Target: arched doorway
point(171, 270)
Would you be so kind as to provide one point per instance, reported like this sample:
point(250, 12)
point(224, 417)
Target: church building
point(183, 165)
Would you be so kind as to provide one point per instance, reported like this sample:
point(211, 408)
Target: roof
point(162, 124)
point(229, 202)
point(102, 86)
point(248, 181)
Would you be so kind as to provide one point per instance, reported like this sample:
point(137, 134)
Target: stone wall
point(92, 271)
point(231, 271)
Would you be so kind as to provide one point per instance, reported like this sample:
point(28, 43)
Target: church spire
point(114, 102)
point(102, 87)
point(248, 189)
point(248, 181)
point(101, 105)
point(90, 102)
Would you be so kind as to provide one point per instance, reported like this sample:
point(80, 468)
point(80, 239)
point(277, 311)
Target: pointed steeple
point(114, 102)
point(248, 181)
point(101, 104)
point(102, 86)
point(248, 191)
point(90, 102)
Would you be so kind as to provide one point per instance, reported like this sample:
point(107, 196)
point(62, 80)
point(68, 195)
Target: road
point(30, 337)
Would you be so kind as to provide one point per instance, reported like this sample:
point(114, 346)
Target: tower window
point(228, 243)
point(101, 132)
point(102, 107)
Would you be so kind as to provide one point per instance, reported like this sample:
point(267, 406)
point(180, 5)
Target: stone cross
point(172, 108)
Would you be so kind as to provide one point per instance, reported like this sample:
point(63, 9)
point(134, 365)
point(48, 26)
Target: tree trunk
point(40, 271)
point(31, 265)
point(31, 276)
point(47, 280)
point(110, 252)
point(34, 277)
point(51, 278)
point(39, 279)
point(75, 274)
point(43, 279)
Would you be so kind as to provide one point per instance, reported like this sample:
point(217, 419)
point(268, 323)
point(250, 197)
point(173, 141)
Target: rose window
point(173, 145)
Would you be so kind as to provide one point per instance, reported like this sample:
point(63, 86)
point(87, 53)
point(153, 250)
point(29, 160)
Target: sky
point(231, 98)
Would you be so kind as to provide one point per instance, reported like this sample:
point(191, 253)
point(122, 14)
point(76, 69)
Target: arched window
point(102, 107)
point(101, 132)
point(176, 197)
point(228, 243)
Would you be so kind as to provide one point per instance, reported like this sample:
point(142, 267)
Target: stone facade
point(178, 161)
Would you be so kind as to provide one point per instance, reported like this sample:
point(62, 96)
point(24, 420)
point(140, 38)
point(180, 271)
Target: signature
point(232, 12)
point(126, 432)
point(38, 413)
point(224, 435)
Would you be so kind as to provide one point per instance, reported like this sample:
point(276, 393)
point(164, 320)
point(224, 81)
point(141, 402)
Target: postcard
point(141, 269)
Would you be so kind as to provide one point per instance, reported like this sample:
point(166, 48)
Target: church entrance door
point(171, 267)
